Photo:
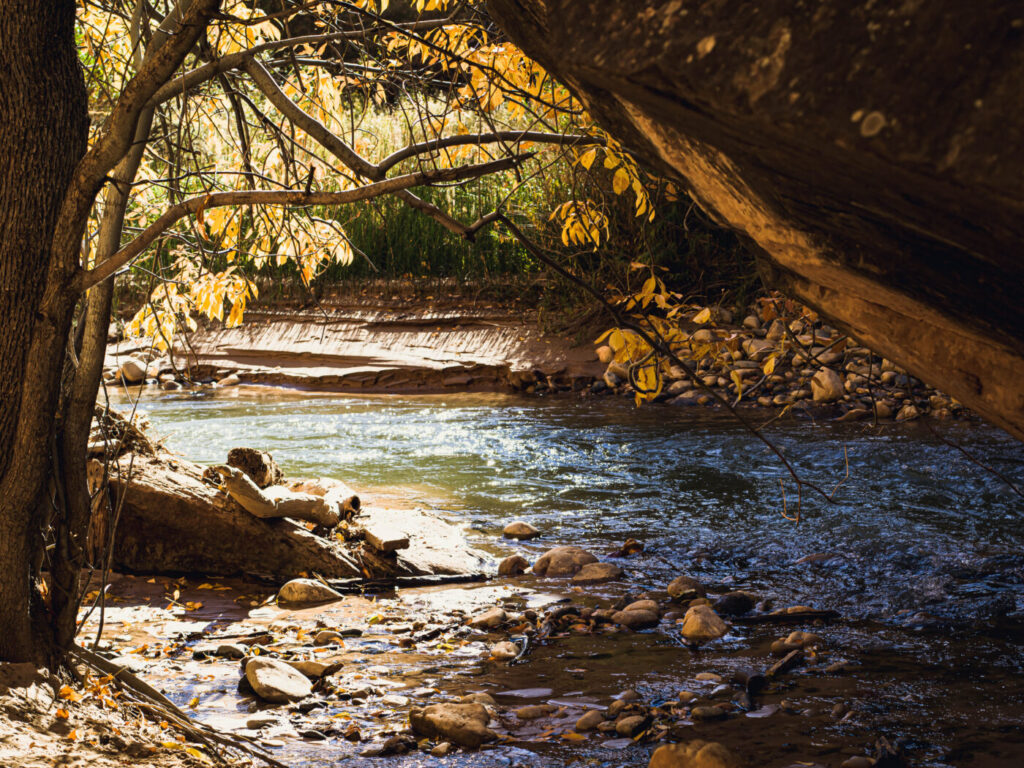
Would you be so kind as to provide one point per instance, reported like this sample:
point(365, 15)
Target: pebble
point(708, 677)
point(632, 725)
point(443, 749)
point(735, 603)
point(684, 588)
point(562, 561)
point(597, 573)
point(504, 651)
point(492, 618)
point(534, 711)
point(589, 721)
point(636, 619)
point(707, 713)
point(642, 605)
point(702, 624)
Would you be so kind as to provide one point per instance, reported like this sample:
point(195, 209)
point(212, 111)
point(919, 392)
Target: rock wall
point(873, 152)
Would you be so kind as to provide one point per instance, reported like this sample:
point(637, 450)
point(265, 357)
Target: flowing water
point(919, 550)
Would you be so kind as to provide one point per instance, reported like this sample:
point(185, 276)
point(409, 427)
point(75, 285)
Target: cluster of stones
point(139, 369)
point(814, 365)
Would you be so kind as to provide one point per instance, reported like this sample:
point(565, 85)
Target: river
point(919, 550)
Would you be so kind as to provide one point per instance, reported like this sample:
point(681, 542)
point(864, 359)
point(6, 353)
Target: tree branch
point(87, 279)
point(540, 137)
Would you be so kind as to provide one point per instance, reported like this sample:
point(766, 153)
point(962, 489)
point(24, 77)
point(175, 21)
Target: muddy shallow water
point(920, 553)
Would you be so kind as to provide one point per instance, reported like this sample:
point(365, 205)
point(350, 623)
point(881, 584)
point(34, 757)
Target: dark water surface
point(920, 551)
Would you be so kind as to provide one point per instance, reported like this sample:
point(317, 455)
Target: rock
point(520, 530)
point(134, 371)
point(462, 724)
point(504, 651)
point(596, 573)
point(231, 380)
point(827, 386)
point(707, 713)
point(685, 588)
point(883, 410)
point(307, 591)
point(327, 637)
point(693, 754)
point(479, 698)
point(170, 386)
point(275, 681)
point(686, 697)
point(908, 412)
point(562, 561)
point(631, 726)
point(443, 749)
point(708, 677)
point(314, 669)
point(857, 762)
point(758, 349)
point(643, 605)
point(636, 619)
point(679, 387)
point(589, 721)
point(492, 618)
point(702, 624)
point(385, 537)
point(256, 722)
point(776, 331)
point(615, 708)
point(230, 651)
point(735, 603)
point(605, 354)
point(802, 639)
point(753, 322)
point(258, 466)
point(513, 565)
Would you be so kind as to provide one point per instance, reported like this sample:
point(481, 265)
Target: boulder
point(462, 724)
point(827, 386)
point(643, 605)
point(589, 721)
point(134, 371)
point(307, 591)
point(735, 603)
point(693, 754)
point(520, 530)
point(562, 561)
point(685, 588)
point(596, 573)
point(276, 681)
point(513, 565)
point(702, 624)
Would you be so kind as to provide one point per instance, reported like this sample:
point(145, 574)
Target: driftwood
point(165, 518)
point(258, 465)
point(278, 501)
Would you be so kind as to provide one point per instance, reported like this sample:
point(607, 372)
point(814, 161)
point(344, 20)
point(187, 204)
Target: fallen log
point(160, 516)
point(277, 501)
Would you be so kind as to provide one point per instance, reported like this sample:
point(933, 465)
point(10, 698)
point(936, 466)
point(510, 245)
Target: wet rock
point(307, 591)
point(504, 651)
point(562, 561)
point(312, 734)
point(693, 754)
point(707, 713)
point(857, 762)
point(589, 721)
point(827, 386)
point(230, 651)
point(492, 618)
point(631, 725)
point(513, 565)
point(597, 573)
point(256, 722)
point(314, 669)
point(642, 605)
point(134, 371)
point(636, 619)
point(735, 603)
point(628, 695)
point(462, 724)
point(908, 412)
point(232, 380)
point(803, 639)
point(275, 681)
point(687, 696)
point(479, 698)
point(685, 588)
point(708, 677)
point(520, 530)
point(327, 637)
point(615, 708)
point(443, 749)
point(701, 624)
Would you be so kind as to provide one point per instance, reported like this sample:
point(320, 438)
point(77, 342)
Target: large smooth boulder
point(307, 591)
point(873, 153)
point(276, 681)
point(462, 724)
point(562, 561)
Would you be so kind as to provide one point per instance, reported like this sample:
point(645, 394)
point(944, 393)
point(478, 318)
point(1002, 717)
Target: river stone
point(636, 619)
point(489, 619)
point(307, 591)
point(513, 565)
point(685, 588)
point(605, 354)
point(908, 412)
point(596, 573)
point(702, 624)
point(735, 603)
point(314, 669)
point(693, 754)
point(800, 639)
point(520, 530)
point(827, 386)
point(504, 650)
point(463, 724)
point(631, 726)
point(275, 681)
point(642, 605)
point(589, 721)
point(562, 561)
point(707, 713)
point(534, 711)
point(230, 651)
point(134, 371)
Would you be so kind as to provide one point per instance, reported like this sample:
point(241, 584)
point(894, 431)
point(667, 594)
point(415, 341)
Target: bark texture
point(873, 152)
point(43, 121)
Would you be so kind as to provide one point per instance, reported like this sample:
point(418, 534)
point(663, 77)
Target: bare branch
point(513, 137)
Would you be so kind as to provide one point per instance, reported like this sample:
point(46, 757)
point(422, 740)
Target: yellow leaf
point(588, 158)
point(769, 366)
point(193, 702)
point(620, 181)
point(617, 340)
point(70, 694)
point(738, 381)
point(703, 316)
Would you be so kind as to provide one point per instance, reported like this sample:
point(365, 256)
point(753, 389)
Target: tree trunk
point(43, 122)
